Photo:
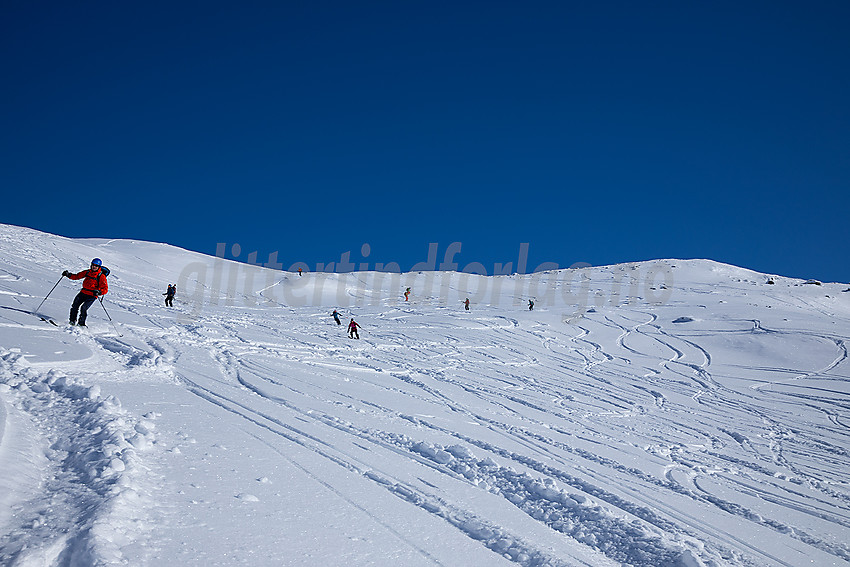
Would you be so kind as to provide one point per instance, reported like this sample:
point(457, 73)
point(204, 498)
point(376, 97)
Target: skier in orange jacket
point(94, 285)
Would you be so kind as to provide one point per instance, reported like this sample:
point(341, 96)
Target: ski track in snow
point(601, 526)
point(643, 441)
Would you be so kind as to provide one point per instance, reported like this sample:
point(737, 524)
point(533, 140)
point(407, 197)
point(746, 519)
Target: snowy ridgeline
point(663, 413)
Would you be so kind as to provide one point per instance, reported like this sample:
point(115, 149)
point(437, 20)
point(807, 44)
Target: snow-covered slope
point(663, 413)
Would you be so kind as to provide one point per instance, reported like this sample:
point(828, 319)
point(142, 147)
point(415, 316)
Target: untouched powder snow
point(666, 413)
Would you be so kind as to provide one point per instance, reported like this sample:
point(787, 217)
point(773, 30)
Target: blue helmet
point(96, 262)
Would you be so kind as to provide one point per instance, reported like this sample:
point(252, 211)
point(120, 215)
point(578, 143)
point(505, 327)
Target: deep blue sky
point(598, 132)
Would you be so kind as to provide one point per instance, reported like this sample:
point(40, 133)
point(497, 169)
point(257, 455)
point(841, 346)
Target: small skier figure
point(336, 317)
point(94, 286)
point(352, 329)
point(299, 272)
point(466, 304)
point(531, 305)
point(169, 295)
point(407, 294)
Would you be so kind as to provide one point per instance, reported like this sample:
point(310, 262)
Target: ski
point(44, 318)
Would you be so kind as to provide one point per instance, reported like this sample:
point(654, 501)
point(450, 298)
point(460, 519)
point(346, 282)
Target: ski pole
point(110, 318)
point(48, 295)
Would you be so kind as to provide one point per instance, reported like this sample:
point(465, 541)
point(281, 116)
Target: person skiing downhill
point(466, 304)
point(169, 295)
point(531, 305)
point(407, 294)
point(94, 286)
point(352, 329)
point(336, 317)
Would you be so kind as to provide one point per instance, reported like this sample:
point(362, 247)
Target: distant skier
point(352, 329)
point(407, 294)
point(466, 304)
point(299, 272)
point(169, 295)
point(531, 305)
point(94, 286)
point(336, 317)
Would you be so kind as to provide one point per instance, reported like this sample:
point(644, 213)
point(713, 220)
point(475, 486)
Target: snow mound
point(91, 461)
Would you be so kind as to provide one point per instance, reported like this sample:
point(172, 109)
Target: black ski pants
point(81, 303)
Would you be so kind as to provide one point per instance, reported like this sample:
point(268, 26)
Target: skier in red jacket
point(94, 285)
point(352, 329)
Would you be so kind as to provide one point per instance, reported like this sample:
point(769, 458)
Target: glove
point(97, 293)
point(66, 273)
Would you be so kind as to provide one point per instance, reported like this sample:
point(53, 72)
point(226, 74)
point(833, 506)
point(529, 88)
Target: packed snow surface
point(666, 413)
